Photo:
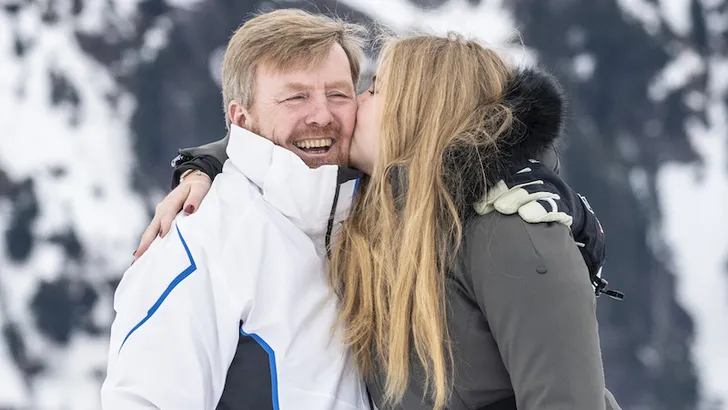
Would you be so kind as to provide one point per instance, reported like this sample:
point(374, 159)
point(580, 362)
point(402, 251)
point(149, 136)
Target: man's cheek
point(347, 116)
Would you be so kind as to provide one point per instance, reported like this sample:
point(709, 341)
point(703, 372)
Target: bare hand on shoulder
point(187, 195)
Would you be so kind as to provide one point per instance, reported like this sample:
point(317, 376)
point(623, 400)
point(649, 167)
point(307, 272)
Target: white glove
point(526, 192)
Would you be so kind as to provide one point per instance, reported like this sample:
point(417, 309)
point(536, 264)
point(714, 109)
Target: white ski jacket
point(250, 264)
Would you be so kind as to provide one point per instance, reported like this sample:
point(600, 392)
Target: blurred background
point(96, 96)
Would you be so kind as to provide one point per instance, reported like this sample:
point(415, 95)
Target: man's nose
point(320, 114)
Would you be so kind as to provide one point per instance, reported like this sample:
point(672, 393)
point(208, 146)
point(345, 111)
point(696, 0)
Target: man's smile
point(319, 146)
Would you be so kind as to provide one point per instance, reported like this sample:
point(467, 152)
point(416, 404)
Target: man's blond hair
point(284, 40)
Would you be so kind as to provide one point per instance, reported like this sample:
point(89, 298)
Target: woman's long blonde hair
point(441, 95)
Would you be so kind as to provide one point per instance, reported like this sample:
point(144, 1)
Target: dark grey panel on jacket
point(248, 383)
point(522, 322)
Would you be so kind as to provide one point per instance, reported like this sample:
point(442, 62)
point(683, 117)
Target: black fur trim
point(538, 105)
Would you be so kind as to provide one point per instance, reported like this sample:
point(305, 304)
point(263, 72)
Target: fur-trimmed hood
point(538, 104)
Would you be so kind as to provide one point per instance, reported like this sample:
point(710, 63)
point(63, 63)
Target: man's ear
point(239, 115)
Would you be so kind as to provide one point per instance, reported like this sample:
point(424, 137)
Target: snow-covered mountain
point(97, 95)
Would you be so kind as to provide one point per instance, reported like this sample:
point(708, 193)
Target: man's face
point(310, 112)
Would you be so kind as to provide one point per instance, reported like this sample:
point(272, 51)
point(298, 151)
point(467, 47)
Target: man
point(232, 309)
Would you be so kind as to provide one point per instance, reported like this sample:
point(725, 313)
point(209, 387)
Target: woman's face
point(365, 142)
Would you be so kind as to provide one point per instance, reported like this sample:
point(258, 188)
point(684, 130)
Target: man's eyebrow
point(340, 85)
point(297, 87)
point(301, 87)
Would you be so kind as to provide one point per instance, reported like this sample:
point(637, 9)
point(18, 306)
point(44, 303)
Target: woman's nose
point(361, 97)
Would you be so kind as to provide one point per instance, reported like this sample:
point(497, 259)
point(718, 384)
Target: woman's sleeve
point(207, 158)
point(532, 285)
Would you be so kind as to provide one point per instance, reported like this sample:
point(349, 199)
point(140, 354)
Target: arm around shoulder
point(532, 285)
point(208, 158)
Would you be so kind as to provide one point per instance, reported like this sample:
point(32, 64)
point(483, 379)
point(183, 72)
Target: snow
point(695, 101)
point(12, 391)
point(676, 14)
point(68, 382)
point(584, 65)
point(717, 21)
point(640, 183)
point(645, 12)
point(693, 200)
point(155, 39)
point(490, 21)
point(93, 196)
point(215, 65)
point(104, 18)
point(677, 74)
point(183, 4)
point(97, 154)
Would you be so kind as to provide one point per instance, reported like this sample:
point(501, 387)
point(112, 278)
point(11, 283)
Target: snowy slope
point(692, 197)
point(490, 21)
point(71, 208)
point(65, 147)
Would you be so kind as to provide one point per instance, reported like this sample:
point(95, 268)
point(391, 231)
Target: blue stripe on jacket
point(272, 361)
point(176, 281)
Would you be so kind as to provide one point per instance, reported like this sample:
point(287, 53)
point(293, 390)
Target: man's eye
point(295, 98)
point(340, 95)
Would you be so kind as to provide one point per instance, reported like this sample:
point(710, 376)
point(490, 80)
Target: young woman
point(447, 305)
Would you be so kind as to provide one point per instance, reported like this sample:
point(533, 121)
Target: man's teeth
point(323, 142)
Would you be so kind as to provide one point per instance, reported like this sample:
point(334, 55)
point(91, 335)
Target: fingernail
point(135, 252)
point(190, 209)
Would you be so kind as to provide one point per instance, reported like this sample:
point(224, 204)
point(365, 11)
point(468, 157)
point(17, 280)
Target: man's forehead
point(313, 71)
point(299, 79)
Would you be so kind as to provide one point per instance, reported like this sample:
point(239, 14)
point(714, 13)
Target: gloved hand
point(539, 195)
point(531, 192)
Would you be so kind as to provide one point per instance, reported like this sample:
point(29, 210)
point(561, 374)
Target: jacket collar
point(315, 200)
